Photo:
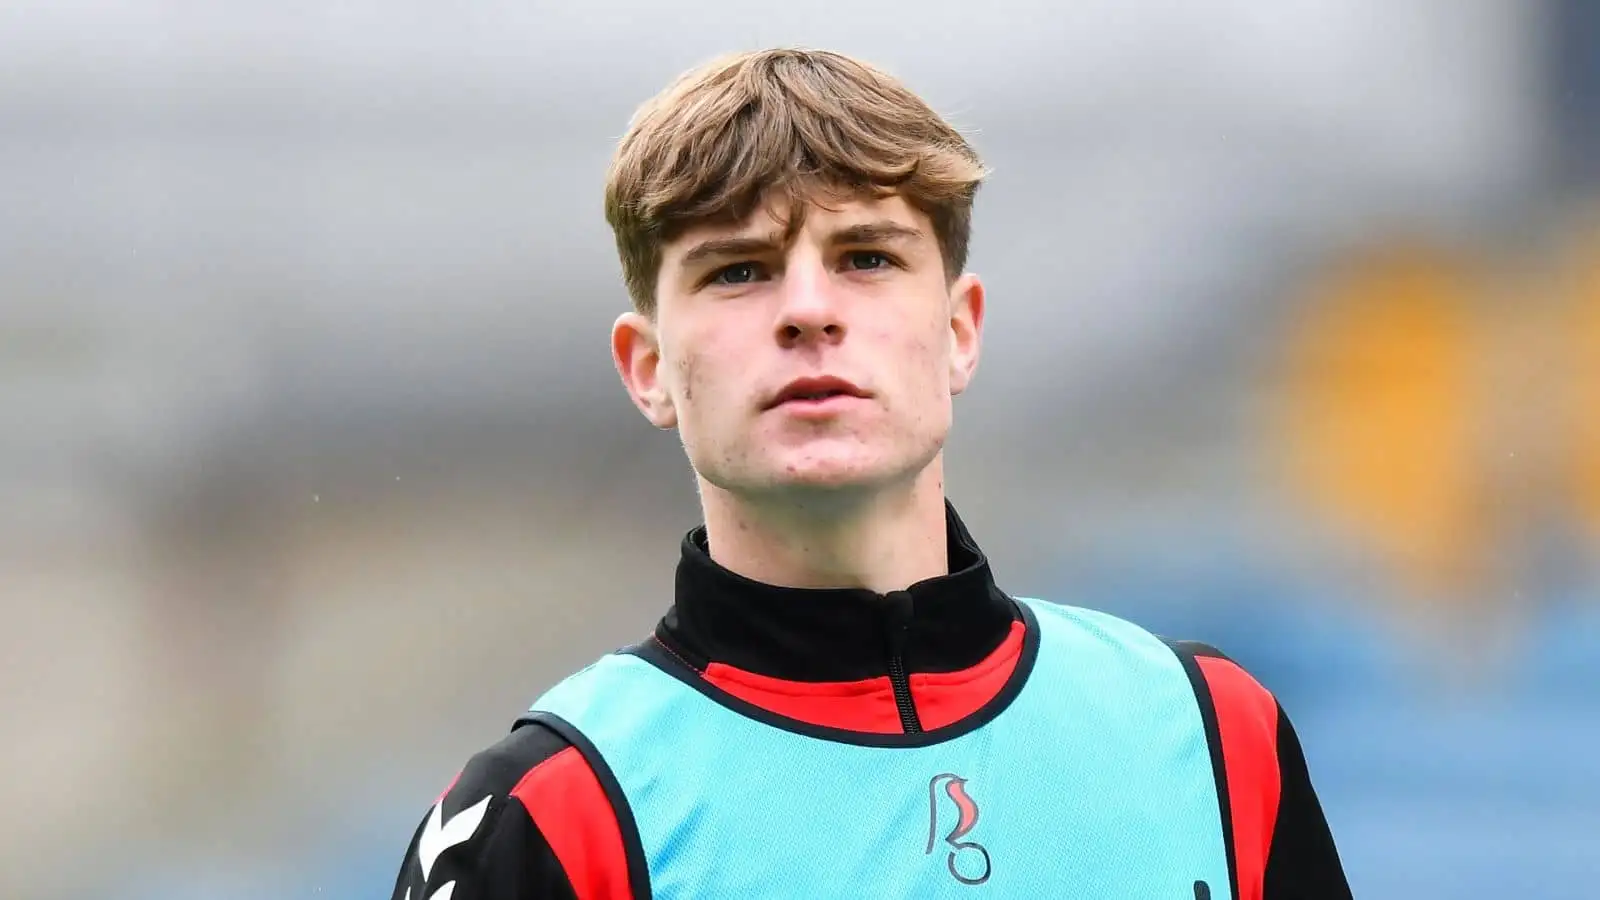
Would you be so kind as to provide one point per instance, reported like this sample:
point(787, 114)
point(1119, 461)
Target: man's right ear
point(636, 350)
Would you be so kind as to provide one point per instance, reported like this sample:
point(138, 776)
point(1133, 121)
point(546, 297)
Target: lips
point(814, 390)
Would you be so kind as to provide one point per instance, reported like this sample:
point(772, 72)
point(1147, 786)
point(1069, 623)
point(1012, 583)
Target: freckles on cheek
point(686, 377)
point(926, 361)
point(925, 353)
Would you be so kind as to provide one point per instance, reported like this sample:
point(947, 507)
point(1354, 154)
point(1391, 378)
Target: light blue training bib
point(1095, 780)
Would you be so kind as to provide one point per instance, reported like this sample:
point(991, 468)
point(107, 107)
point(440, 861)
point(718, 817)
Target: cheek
point(926, 358)
point(699, 372)
point(699, 387)
point(933, 368)
point(916, 364)
point(685, 374)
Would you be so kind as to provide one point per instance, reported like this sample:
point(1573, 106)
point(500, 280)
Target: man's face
point(826, 361)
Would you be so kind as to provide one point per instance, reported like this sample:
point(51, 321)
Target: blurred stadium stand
point(308, 423)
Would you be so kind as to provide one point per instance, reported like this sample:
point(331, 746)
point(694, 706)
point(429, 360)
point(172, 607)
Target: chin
point(781, 477)
point(845, 472)
point(826, 478)
point(819, 468)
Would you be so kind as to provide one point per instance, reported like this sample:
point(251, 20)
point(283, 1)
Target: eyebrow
point(881, 232)
point(718, 248)
point(884, 232)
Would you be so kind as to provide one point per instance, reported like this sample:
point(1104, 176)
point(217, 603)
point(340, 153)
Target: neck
point(887, 541)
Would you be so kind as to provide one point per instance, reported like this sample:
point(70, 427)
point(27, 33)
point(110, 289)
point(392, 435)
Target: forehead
point(815, 218)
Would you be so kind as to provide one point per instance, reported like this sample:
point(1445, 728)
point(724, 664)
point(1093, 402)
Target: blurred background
point(315, 470)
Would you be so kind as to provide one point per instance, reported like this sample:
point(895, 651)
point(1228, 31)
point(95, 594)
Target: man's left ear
point(966, 330)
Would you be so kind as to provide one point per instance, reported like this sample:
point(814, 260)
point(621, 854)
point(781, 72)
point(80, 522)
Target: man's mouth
point(814, 391)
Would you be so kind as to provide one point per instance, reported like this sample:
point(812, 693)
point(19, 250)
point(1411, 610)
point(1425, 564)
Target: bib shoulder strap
point(1241, 723)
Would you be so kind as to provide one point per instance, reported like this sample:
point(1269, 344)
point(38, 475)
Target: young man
point(840, 702)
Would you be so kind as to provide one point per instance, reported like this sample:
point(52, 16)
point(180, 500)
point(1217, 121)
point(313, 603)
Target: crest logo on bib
point(968, 861)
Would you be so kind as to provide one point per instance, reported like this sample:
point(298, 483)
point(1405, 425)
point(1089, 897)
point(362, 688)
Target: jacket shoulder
point(479, 838)
point(496, 770)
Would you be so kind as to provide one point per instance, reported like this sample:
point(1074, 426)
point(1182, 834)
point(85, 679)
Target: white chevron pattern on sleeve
point(443, 893)
point(439, 836)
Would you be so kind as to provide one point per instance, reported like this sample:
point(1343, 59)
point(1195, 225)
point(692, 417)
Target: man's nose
point(811, 311)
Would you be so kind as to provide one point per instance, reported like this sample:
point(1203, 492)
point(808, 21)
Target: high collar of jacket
point(943, 624)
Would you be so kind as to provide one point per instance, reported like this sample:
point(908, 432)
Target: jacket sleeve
point(505, 858)
point(480, 840)
point(1302, 861)
point(1279, 844)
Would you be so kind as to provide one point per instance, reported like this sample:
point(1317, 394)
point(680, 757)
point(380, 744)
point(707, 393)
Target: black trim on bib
point(632, 845)
point(654, 653)
point(1185, 651)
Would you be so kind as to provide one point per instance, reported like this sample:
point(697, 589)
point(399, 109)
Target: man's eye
point(738, 273)
point(866, 261)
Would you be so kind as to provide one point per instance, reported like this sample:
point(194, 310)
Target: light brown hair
point(807, 125)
